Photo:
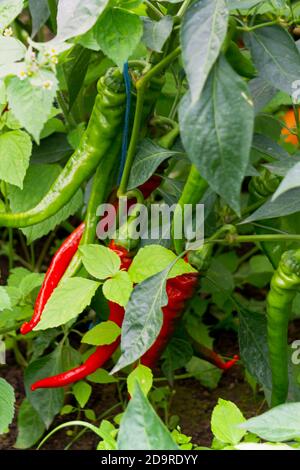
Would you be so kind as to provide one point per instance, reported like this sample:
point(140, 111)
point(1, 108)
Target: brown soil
point(191, 402)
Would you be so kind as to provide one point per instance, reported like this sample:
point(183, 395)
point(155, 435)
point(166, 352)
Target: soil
point(191, 402)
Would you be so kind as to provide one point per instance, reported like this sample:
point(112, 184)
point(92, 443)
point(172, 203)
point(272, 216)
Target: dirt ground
point(191, 402)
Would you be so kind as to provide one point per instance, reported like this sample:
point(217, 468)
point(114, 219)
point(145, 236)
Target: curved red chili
point(56, 270)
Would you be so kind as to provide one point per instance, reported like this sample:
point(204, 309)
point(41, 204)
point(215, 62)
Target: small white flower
point(22, 74)
point(8, 32)
point(54, 59)
point(33, 56)
point(47, 84)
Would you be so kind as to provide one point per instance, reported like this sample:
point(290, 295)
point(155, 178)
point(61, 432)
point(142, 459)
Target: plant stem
point(70, 121)
point(260, 238)
point(44, 251)
point(10, 232)
point(140, 87)
point(183, 8)
point(257, 26)
point(155, 10)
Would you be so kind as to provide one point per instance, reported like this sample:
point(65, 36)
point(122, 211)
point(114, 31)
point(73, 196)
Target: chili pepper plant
point(110, 112)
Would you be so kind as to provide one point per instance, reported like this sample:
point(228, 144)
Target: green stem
point(70, 121)
point(257, 26)
point(183, 8)
point(260, 238)
point(44, 251)
point(155, 10)
point(32, 256)
point(10, 232)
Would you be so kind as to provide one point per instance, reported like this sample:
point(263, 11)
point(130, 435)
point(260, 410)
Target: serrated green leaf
point(99, 261)
point(15, 151)
point(119, 288)
point(156, 32)
point(225, 421)
point(67, 301)
point(7, 405)
point(24, 96)
point(152, 259)
point(104, 333)
point(141, 428)
point(118, 33)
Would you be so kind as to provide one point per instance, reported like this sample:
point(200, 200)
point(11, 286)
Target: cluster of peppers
point(98, 151)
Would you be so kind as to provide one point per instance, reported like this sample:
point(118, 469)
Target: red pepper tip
point(25, 328)
point(232, 362)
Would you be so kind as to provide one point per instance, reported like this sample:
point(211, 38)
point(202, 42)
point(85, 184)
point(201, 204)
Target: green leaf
point(156, 32)
point(46, 402)
point(30, 426)
point(5, 302)
point(7, 405)
point(176, 355)
point(104, 333)
point(67, 301)
point(80, 58)
point(118, 33)
point(262, 92)
point(152, 259)
point(287, 203)
point(11, 50)
point(82, 392)
point(141, 428)
point(148, 158)
point(217, 131)
point(101, 376)
point(119, 288)
point(291, 181)
point(253, 346)
point(40, 12)
point(205, 372)
point(37, 183)
point(198, 331)
point(203, 31)
point(242, 4)
point(99, 261)
point(279, 424)
point(143, 318)
point(75, 17)
point(15, 151)
point(275, 56)
point(51, 149)
point(143, 375)
point(225, 421)
point(25, 95)
point(9, 10)
point(30, 282)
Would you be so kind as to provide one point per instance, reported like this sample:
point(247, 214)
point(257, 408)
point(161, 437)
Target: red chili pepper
point(179, 290)
point(102, 353)
point(94, 362)
point(57, 268)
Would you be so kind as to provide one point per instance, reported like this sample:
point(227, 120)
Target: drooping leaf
point(287, 203)
point(82, 392)
point(217, 131)
point(156, 32)
point(143, 375)
point(46, 402)
point(143, 318)
point(203, 31)
point(141, 428)
point(205, 372)
point(7, 405)
point(64, 305)
point(148, 158)
point(275, 56)
point(291, 181)
point(262, 92)
point(30, 426)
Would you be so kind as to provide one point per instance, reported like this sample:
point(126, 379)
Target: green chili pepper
point(103, 182)
point(261, 187)
point(239, 61)
point(192, 193)
point(284, 286)
point(104, 126)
